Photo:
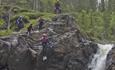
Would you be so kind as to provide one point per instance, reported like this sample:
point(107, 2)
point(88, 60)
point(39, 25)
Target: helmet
point(57, 0)
point(21, 16)
point(44, 35)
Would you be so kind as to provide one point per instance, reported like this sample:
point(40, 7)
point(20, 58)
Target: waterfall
point(98, 4)
point(99, 59)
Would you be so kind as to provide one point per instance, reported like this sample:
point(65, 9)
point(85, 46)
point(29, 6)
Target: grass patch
point(5, 32)
point(1, 21)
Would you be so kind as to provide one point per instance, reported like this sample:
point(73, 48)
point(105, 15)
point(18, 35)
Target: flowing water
point(98, 4)
point(99, 59)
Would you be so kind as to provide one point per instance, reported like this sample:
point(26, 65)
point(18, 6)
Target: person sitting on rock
point(44, 41)
point(19, 22)
point(57, 8)
point(30, 29)
point(41, 23)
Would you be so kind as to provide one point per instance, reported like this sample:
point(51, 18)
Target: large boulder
point(70, 49)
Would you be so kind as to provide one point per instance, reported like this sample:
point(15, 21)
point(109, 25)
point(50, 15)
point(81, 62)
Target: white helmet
point(44, 35)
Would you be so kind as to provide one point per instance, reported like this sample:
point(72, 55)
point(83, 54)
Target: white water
point(99, 60)
point(98, 4)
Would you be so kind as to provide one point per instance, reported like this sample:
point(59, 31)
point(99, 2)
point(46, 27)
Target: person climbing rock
point(57, 7)
point(41, 23)
point(30, 29)
point(19, 22)
point(44, 41)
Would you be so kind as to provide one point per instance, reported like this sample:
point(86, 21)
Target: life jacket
point(18, 20)
point(44, 39)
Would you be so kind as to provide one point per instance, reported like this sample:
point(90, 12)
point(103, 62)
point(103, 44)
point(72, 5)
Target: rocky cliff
point(110, 64)
point(70, 49)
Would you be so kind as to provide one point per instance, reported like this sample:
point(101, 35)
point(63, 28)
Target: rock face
point(69, 49)
point(110, 64)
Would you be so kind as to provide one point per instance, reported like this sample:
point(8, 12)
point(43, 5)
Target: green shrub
point(24, 10)
point(32, 15)
point(1, 21)
point(5, 32)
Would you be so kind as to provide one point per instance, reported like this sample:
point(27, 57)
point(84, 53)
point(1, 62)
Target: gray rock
point(22, 52)
point(110, 64)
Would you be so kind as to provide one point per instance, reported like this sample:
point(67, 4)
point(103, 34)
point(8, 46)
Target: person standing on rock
point(41, 23)
point(19, 22)
point(44, 41)
point(30, 29)
point(57, 7)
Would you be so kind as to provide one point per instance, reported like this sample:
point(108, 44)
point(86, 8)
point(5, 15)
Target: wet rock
point(110, 64)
